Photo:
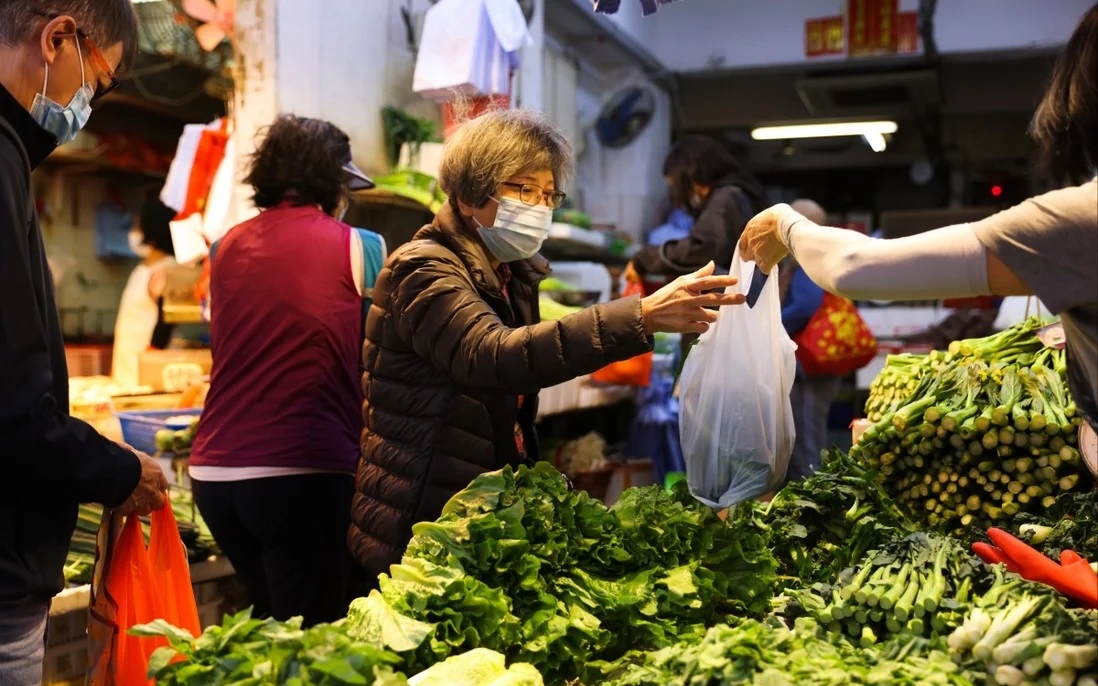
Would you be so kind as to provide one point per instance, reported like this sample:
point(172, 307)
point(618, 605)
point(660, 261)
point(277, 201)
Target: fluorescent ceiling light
point(848, 128)
point(875, 141)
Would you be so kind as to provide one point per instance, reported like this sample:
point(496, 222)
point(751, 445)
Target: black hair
point(300, 161)
point(1065, 124)
point(702, 160)
point(155, 223)
point(105, 22)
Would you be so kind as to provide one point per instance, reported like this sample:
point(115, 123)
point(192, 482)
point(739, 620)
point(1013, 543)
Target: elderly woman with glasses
point(455, 351)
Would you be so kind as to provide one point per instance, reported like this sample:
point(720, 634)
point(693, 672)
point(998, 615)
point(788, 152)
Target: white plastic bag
point(736, 422)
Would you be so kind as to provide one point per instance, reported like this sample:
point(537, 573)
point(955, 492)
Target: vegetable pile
point(977, 435)
point(520, 564)
point(522, 578)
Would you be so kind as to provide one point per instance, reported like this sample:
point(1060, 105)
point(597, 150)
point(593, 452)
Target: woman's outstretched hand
point(680, 306)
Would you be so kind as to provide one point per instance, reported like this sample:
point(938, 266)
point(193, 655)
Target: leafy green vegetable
point(250, 652)
point(769, 653)
point(521, 564)
point(478, 667)
point(824, 524)
point(1074, 525)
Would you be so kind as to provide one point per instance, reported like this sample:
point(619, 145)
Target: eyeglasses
point(96, 56)
point(530, 194)
point(101, 64)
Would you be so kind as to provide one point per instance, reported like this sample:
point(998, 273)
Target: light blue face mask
point(518, 232)
point(64, 122)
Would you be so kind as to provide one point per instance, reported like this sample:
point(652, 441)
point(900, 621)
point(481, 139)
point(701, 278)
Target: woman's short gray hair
point(486, 151)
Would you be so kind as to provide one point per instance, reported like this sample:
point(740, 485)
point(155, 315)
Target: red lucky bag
point(836, 340)
point(636, 371)
point(139, 585)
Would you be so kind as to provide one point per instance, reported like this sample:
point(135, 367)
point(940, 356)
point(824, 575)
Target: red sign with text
point(907, 32)
point(824, 36)
point(871, 27)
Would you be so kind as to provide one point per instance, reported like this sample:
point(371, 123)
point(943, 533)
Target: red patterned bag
point(836, 340)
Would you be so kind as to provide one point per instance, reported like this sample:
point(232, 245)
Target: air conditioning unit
point(869, 94)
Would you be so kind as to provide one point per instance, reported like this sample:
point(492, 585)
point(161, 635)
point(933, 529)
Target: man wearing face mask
point(272, 466)
point(140, 323)
point(56, 58)
point(456, 351)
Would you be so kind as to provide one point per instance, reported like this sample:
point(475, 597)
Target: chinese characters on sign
point(824, 37)
point(870, 27)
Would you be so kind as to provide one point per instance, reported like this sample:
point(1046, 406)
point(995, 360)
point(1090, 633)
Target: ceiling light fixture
point(849, 128)
point(876, 141)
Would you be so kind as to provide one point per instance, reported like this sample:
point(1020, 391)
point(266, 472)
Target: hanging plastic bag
point(138, 585)
point(636, 371)
point(736, 424)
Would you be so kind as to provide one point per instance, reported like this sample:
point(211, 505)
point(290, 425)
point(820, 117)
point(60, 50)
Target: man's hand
point(151, 491)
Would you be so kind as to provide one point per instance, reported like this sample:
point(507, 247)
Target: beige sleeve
point(943, 263)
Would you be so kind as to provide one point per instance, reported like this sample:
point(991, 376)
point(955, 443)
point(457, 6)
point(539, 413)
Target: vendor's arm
point(946, 262)
point(40, 443)
point(804, 298)
point(711, 236)
point(438, 312)
point(1042, 247)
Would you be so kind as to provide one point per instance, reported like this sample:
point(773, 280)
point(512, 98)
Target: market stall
point(844, 578)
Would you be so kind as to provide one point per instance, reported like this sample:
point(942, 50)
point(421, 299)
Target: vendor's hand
point(762, 242)
point(630, 274)
point(151, 491)
point(679, 307)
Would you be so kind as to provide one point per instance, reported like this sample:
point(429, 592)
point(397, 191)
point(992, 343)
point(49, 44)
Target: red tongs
point(1072, 576)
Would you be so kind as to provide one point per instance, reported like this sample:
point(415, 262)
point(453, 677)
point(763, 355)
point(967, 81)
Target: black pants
point(286, 537)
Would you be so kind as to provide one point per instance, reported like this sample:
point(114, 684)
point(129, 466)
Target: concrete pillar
point(340, 60)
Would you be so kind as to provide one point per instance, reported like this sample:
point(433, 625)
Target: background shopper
point(140, 323)
point(812, 394)
point(273, 461)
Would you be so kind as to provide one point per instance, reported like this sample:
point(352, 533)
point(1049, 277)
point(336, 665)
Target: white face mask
point(137, 244)
point(519, 230)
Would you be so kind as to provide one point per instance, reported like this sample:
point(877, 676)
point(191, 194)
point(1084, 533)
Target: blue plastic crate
point(140, 426)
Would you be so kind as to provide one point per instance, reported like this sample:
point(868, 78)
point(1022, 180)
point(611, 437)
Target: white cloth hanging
point(463, 58)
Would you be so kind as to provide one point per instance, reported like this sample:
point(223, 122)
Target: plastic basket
point(140, 426)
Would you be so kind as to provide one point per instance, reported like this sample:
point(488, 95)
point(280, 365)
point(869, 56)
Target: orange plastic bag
point(636, 371)
point(139, 585)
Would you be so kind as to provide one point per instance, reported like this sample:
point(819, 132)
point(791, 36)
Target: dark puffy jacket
point(446, 359)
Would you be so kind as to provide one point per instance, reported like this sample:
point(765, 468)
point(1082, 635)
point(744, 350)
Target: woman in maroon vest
point(273, 462)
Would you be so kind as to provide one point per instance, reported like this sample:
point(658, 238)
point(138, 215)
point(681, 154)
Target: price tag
point(1053, 336)
point(1088, 445)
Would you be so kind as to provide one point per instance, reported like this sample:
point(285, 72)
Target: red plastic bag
point(138, 585)
point(836, 341)
point(636, 371)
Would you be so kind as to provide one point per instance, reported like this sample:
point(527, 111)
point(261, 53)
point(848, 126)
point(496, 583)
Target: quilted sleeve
point(438, 312)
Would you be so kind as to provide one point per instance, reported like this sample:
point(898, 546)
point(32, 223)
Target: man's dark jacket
point(49, 461)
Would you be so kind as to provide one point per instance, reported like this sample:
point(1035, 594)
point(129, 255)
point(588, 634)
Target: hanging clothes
point(139, 320)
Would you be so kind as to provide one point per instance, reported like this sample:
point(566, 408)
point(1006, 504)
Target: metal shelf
point(601, 42)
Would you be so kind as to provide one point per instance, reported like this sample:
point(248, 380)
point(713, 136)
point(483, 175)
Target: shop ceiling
point(978, 106)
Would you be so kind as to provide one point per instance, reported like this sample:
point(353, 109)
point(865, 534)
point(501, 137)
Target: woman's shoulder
point(1074, 203)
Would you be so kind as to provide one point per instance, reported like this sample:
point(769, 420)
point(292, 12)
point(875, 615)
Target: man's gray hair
point(105, 22)
point(811, 210)
point(486, 151)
